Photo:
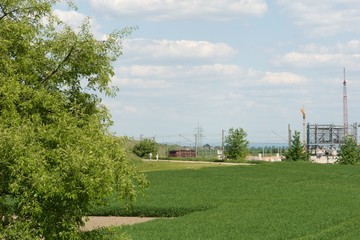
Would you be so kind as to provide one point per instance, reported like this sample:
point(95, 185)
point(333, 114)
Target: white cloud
point(283, 78)
point(185, 9)
point(312, 56)
point(168, 76)
point(148, 71)
point(324, 18)
point(131, 109)
point(216, 76)
point(352, 46)
point(140, 83)
point(74, 19)
point(299, 59)
point(181, 49)
point(216, 69)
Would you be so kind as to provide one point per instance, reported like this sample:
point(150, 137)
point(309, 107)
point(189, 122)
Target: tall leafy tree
point(57, 156)
point(349, 152)
point(236, 145)
point(144, 147)
point(297, 151)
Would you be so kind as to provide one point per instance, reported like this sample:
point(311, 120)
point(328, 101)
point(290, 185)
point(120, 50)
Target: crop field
point(263, 201)
point(150, 166)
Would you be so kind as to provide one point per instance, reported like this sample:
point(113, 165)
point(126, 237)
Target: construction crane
point(302, 110)
point(345, 111)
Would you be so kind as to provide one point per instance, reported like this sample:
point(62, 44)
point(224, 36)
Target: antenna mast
point(345, 111)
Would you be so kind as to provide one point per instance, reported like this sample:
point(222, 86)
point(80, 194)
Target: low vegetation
point(297, 200)
point(145, 147)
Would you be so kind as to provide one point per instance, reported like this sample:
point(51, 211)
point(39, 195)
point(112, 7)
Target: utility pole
point(345, 110)
point(196, 148)
point(289, 132)
point(222, 140)
point(304, 128)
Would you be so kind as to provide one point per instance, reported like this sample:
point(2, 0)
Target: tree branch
point(12, 11)
point(3, 11)
point(59, 66)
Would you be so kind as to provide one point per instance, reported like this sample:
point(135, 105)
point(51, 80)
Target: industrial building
point(187, 153)
point(325, 139)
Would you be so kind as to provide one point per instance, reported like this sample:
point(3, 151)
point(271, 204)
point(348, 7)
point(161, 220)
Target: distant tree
point(297, 151)
point(207, 146)
point(144, 147)
point(349, 152)
point(236, 145)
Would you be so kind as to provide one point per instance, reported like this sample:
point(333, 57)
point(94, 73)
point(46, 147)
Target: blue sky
point(250, 64)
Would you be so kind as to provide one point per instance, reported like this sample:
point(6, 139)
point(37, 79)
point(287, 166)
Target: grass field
point(264, 201)
point(151, 166)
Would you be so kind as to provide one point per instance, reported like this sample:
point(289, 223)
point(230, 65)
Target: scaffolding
point(325, 139)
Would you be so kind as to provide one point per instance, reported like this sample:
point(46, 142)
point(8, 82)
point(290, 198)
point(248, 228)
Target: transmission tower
point(199, 135)
point(345, 111)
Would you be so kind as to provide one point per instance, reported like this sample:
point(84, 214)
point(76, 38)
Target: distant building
point(326, 139)
point(186, 153)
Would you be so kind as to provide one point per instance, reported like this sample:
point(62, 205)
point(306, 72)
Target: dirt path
point(98, 222)
point(203, 162)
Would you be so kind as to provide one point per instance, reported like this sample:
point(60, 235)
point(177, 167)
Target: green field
point(151, 166)
point(264, 201)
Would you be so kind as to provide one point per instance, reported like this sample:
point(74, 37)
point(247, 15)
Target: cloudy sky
point(250, 64)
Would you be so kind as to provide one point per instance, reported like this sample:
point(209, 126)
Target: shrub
point(144, 147)
point(349, 152)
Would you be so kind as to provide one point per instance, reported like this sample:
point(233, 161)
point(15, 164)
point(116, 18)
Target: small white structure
point(220, 154)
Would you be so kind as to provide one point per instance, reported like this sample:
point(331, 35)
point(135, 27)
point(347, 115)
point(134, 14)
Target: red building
point(182, 153)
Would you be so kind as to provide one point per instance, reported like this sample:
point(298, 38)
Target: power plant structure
point(326, 139)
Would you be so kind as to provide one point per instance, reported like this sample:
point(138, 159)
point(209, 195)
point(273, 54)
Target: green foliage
point(285, 200)
point(144, 147)
point(109, 234)
point(297, 151)
point(236, 145)
point(57, 156)
point(349, 152)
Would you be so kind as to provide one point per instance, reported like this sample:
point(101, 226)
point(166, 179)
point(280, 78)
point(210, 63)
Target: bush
point(144, 147)
point(349, 152)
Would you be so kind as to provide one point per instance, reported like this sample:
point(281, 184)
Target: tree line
point(237, 148)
